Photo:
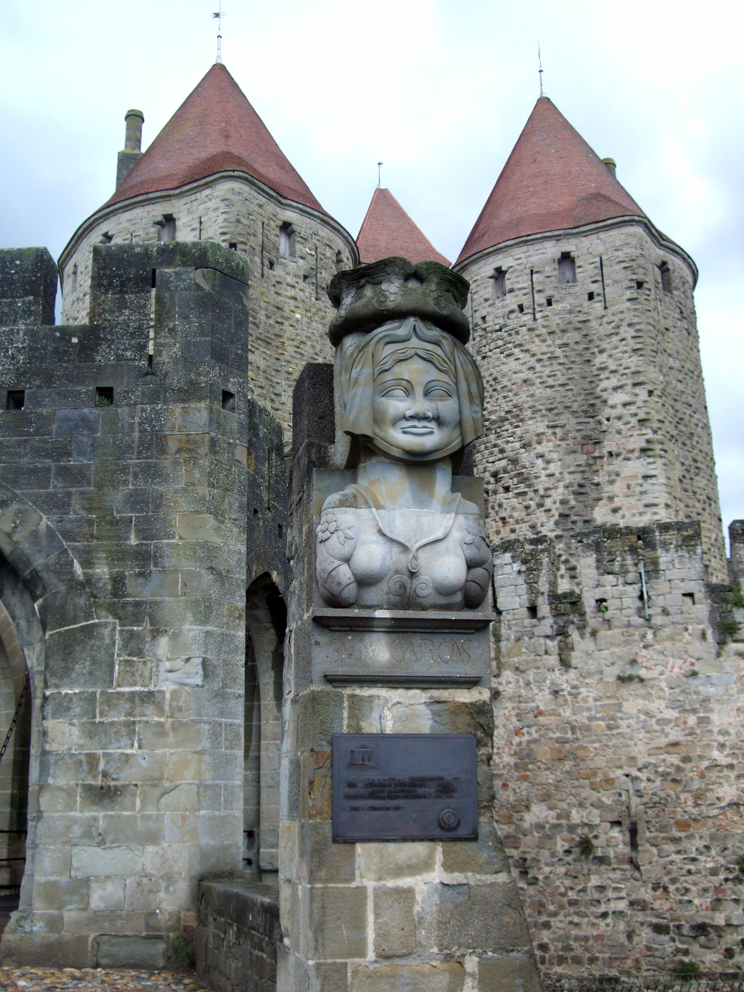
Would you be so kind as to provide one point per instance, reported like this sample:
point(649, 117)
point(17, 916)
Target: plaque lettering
point(404, 787)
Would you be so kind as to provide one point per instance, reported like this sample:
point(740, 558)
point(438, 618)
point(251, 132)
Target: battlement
point(28, 287)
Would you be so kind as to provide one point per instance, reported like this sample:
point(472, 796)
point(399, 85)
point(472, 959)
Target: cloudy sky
point(437, 90)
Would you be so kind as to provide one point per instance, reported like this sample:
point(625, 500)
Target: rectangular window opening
point(15, 399)
point(549, 301)
point(688, 600)
point(287, 240)
point(232, 245)
point(566, 269)
point(104, 395)
point(532, 613)
point(639, 283)
point(666, 277)
point(499, 283)
point(590, 296)
point(167, 228)
point(228, 401)
point(520, 307)
point(154, 279)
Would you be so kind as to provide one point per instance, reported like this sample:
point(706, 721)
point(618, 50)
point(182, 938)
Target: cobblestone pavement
point(95, 980)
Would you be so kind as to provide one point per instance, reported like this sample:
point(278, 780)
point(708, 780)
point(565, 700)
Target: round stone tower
point(214, 173)
point(584, 327)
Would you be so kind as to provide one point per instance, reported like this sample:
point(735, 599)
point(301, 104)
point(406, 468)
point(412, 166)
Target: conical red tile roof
point(214, 130)
point(551, 181)
point(388, 230)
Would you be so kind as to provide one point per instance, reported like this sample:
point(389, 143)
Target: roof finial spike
point(219, 15)
point(379, 175)
point(540, 70)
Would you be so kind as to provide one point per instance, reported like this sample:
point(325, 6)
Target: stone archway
point(265, 627)
point(49, 631)
point(15, 740)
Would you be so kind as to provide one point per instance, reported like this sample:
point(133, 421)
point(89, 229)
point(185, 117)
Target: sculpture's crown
point(392, 289)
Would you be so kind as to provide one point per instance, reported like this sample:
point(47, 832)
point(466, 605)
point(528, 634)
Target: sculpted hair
point(381, 349)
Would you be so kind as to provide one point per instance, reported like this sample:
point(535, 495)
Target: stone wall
point(126, 478)
point(595, 405)
point(619, 756)
point(238, 935)
point(287, 302)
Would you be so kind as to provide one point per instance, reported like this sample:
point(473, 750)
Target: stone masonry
point(595, 402)
point(617, 771)
point(124, 496)
point(287, 302)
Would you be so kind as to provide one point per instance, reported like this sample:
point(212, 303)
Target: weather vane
point(540, 69)
point(219, 15)
point(379, 175)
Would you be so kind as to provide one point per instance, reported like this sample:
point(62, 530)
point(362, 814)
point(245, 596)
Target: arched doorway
point(15, 743)
point(266, 621)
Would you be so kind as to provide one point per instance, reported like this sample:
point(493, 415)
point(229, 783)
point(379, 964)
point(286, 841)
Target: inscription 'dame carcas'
point(368, 655)
point(411, 651)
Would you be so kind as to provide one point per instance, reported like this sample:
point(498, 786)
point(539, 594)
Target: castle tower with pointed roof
point(584, 323)
point(215, 173)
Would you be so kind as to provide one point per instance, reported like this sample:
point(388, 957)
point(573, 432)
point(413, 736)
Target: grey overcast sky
point(437, 90)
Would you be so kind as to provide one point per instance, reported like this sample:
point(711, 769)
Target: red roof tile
point(551, 181)
point(214, 130)
point(388, 230)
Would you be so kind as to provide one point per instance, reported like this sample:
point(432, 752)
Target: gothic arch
point(42, 596)
point(265, 626)
point(16, 705)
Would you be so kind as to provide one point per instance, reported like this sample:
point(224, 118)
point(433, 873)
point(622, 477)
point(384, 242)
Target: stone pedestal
point(385, 915)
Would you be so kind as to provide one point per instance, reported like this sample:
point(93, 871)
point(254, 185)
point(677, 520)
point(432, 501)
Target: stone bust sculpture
point(411, 398)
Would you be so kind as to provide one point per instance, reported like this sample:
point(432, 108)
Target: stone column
point(367, 916)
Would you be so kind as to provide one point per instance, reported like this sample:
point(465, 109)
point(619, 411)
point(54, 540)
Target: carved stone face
point(416, 410)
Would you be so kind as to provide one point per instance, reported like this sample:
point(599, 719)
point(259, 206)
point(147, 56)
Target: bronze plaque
point(404, 787)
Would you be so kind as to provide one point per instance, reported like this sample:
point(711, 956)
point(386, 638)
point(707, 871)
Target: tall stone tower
point(214, 173)
point(616, 690)
point(584, 325)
